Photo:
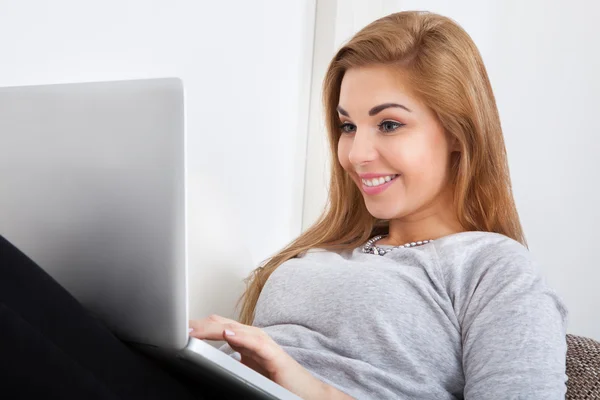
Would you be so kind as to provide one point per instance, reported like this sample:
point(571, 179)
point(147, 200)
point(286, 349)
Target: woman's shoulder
point(486, 272)
point(479, 243)
point(469, 255)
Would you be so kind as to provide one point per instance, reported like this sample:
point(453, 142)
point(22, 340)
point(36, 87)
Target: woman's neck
point(430, 222)
point(418, 228)
point(397, 237)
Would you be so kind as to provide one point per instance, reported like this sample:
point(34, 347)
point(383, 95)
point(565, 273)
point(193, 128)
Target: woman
point(415, 282)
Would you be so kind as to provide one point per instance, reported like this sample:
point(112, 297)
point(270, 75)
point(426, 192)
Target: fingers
point(247, 340)
point(255, 343)
point(211, 328)
point(218, 318)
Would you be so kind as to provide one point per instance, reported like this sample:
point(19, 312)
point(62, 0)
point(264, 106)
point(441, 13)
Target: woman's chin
point(380, 212)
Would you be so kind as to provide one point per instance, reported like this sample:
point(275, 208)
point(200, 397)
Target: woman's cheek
point(343, 154)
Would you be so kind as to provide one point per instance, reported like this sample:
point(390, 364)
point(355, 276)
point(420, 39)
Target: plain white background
point(253, 92)
point(543, 59)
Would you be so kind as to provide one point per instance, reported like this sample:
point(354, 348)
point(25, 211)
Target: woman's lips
point(373, 190)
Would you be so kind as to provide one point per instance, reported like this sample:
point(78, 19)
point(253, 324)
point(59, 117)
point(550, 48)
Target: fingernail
point(190, 330)
point(229, 333)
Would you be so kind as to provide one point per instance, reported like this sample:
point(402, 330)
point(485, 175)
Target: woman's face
point(391, 137)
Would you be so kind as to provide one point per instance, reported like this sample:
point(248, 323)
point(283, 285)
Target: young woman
point(415, 282)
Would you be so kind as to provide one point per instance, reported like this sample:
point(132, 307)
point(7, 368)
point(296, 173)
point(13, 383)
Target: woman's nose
point(363, 149)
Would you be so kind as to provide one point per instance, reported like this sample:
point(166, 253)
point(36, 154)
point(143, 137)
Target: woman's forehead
point(365, 87)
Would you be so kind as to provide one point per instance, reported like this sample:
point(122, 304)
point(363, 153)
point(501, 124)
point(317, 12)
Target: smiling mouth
point(379, 181)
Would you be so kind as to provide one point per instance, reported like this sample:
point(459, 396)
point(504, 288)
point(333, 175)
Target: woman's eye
point(347, 128)
point(389, 126)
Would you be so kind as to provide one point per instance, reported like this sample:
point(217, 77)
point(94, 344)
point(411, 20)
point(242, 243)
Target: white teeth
point(378, 181)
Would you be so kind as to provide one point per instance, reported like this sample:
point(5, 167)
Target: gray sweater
point(467, 315)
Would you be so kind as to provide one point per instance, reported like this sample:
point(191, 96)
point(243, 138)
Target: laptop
point(92, 188)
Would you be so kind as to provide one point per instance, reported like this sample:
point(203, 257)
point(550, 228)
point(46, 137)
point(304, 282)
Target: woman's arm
point(513, 334)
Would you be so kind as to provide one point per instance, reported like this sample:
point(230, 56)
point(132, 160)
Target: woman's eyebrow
point(381, 107)
point(342, 111)
point(375, 110)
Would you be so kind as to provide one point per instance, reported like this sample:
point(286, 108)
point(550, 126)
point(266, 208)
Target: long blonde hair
point(446, 72)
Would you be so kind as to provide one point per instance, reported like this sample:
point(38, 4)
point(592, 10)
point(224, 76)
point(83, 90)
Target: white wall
point(543, 59)
point(246, 68)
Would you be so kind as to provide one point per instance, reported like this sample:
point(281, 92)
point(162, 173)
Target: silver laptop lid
point(92, 189)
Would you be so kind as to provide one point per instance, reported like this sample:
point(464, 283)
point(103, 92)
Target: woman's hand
point(263, 355)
